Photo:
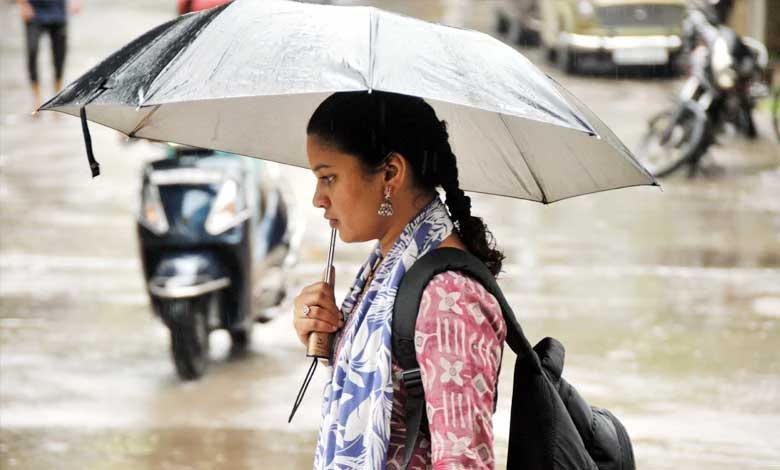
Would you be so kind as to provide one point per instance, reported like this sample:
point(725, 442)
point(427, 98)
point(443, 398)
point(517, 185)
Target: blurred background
point(668, 301)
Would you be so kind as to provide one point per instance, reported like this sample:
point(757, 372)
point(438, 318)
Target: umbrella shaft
point(319, 343)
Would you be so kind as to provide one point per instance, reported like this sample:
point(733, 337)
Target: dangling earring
point(386, 208)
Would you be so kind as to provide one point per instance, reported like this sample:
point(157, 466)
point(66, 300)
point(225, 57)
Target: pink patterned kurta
point(459, 338)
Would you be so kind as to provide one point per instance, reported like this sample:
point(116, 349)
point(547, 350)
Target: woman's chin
point(344, 237)
point(348, 237)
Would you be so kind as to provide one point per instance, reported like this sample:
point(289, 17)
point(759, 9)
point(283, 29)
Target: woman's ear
point(395, 169)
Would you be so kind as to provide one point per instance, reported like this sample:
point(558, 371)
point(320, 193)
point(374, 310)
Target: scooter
point(215, 236)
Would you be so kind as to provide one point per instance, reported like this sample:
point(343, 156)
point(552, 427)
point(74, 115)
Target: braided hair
point(372, 125)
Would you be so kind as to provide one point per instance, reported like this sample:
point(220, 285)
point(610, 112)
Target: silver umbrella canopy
point(246, 77)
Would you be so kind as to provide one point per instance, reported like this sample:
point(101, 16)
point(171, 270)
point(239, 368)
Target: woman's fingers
point(323, 315)
point(304, 326)
point(316, 296)
point(320, 291)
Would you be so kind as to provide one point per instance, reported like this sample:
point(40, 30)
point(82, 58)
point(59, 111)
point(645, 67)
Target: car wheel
point(502, 23)
point(566, 60)
point(515, 34)
point(550, 55)
point(676, 65)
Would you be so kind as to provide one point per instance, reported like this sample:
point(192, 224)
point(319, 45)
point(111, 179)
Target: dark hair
point(372, 125)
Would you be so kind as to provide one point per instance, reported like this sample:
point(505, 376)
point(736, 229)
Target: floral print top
point(459, 339)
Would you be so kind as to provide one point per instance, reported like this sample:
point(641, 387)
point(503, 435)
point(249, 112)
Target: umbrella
point(245, 77)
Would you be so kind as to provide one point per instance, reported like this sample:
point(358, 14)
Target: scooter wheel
point(190, 340)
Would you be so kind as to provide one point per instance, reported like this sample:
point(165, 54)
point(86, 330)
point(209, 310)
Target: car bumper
point(625, 50)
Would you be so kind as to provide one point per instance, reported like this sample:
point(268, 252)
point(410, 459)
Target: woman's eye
point(327, 179)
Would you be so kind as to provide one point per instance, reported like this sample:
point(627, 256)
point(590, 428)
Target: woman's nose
point(319, 200)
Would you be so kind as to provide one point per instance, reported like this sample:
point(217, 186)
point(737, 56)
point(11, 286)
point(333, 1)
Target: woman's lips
point(333, 223)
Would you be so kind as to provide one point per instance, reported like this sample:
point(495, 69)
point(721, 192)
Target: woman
point(378, 158)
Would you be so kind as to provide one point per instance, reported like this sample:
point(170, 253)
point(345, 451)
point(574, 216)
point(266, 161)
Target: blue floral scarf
point(355, 428)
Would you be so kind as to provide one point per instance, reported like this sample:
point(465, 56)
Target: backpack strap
point(405, 310)
point(407, 301)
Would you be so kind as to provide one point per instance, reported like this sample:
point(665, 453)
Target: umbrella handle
point(319, 345)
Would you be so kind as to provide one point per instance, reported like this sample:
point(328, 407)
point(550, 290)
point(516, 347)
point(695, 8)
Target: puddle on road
point(154, 449)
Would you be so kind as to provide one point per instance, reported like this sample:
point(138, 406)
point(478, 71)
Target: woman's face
point(349, 195)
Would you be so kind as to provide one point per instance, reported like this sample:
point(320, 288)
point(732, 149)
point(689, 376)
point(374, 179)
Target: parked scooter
point(727, 77)
point(215, 238)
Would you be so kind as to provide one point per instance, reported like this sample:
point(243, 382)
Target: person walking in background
point(50, 17)
point(188, 6)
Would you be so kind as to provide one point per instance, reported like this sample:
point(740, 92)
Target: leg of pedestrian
point(59, 48)
point(33, 36)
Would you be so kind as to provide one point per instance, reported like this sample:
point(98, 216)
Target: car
point(622, 32)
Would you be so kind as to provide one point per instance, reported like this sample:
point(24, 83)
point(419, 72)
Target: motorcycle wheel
point(240, 339)
point(190, 338)
point(776, 112)
point(674, 137)
point(745, 122)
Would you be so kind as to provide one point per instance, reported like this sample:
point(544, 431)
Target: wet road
point(668, 302)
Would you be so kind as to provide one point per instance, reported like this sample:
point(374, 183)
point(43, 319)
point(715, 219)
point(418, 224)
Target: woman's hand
point(324, 316)
point(74, 7)
point(26, 10)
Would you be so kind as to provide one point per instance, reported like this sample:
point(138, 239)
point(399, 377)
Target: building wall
point(772, 39)
point(759, 19)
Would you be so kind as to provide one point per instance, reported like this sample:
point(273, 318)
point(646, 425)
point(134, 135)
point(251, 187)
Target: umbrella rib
point(201, 20)
point(530, 170)
point(143, 121)
point(371, 52)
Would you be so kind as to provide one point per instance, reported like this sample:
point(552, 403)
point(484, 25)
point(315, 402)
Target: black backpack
point(551, 427)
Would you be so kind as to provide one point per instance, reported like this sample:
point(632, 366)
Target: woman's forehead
point(323, 155)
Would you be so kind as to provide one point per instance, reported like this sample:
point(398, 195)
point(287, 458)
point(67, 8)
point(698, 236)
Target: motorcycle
point(726, 79)
point(215, 237)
